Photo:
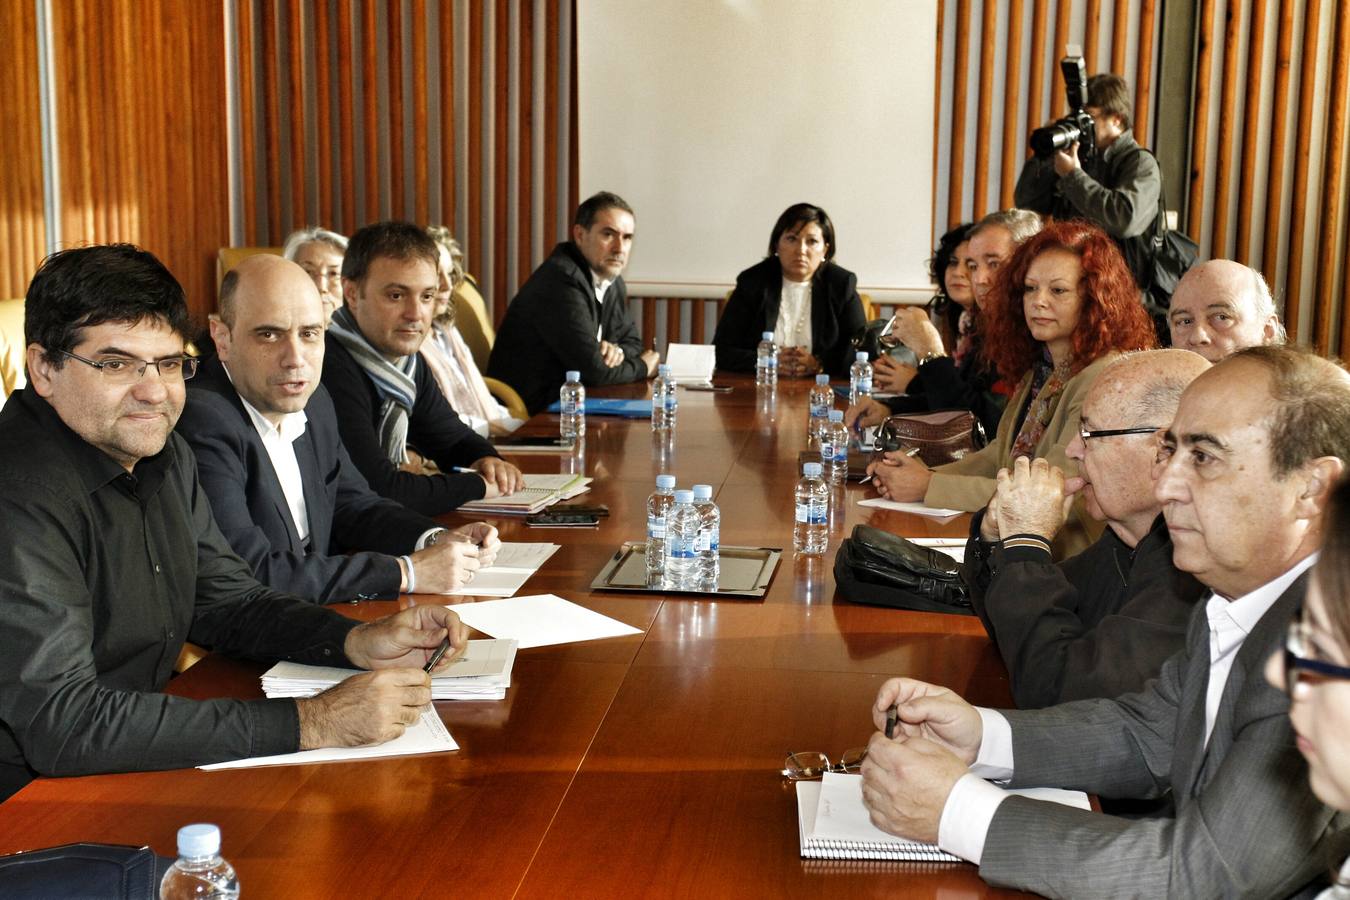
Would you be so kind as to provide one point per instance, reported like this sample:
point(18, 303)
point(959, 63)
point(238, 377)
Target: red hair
point(1111, 318)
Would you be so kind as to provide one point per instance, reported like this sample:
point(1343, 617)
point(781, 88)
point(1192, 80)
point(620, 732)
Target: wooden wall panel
point(141, 132)
point(391, 70)
point(23, 227)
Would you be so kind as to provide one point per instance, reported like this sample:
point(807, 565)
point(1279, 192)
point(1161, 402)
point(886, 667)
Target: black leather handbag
point(88, 871)
point(880, 569)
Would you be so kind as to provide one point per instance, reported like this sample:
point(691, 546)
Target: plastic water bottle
point(658, 508)
point(859, 379)
point(810, 532)
point(200, 871)
point(664, 399)
point(572, 400)
point(834, 448)
point(766, 361)
point(709, 536)
point(821, 402)
point(682, 522)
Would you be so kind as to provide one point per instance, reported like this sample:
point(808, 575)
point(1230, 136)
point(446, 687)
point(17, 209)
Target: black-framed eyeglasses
point(125, 370)
point(1298, 665)
point(810, 766)
point(1113, 432)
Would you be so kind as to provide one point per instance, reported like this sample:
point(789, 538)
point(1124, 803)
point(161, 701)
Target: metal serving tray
point(745, 572)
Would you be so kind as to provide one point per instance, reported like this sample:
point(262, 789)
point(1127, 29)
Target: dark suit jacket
point(248, 503)
point(550, 329)
point(1099, 624)
point(836, 316)
point(1246, 824)
point(434, 430)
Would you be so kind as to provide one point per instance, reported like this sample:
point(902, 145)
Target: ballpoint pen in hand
point(911, 453)
point(436, 656)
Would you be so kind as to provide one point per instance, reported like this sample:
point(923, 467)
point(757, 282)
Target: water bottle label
point(840, 454)
point(820, 411)
point(657, 406)
point(579, 407)
point(680, 548)
point(656, 528)
point(671, 402)
point(803, 513)
point(768, 362)
point(569, 407)
point(826, 451)
point(703, 543)
point(816, 514)
point(864, 386)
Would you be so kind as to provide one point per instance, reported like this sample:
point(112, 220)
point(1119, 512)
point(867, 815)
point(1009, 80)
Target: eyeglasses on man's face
point(1299, 667)
point(811, 765)
point(127, 370)
point(1087, 435)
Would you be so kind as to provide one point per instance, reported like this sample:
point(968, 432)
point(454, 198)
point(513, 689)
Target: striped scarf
point(394, 382)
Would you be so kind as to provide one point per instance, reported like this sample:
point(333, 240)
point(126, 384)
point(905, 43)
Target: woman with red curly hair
point(1064, 306)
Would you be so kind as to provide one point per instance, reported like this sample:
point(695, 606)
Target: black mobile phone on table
point(562, 520)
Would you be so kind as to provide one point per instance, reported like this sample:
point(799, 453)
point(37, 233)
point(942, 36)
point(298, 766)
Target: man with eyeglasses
point(111, 559)
point(1103, 622)
point(1245, 471)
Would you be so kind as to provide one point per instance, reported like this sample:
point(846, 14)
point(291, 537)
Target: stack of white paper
point(514, 565)
point(427, 735)
point(483, 672)
point(540, 490)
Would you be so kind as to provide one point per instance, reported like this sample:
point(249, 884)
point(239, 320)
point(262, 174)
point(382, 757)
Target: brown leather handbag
point(940, 437)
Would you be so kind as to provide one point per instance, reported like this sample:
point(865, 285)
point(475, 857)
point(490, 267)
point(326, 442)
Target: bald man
point(281, 485)
point(1100, 623)
point(1220, 307)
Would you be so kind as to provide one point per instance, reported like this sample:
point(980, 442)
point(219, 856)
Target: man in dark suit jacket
point(1101, 623)
point(1246, 469)
point(281, 485)
point(572, 312)
point(389, 405)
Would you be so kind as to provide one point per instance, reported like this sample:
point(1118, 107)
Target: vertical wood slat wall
point(140, 132)
point(23, 227)
point(1269, 188)
point(1267, 147)
point(388, 108)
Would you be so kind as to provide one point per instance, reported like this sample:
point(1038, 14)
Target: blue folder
point(608, 406)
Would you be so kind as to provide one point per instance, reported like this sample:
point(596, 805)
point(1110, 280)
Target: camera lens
point(1046, 141)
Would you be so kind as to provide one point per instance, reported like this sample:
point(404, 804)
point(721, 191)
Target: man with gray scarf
point(385, 399)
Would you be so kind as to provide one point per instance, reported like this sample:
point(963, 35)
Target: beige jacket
point(969, 483)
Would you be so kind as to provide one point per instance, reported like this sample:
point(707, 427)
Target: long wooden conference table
point(643, 766)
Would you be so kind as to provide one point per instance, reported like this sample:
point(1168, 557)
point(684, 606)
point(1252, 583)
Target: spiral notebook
point(833, 823)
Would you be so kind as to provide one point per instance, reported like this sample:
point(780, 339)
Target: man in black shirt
point(1101, 623)
point(111, 559)
point(572, 312)
point(388, 403)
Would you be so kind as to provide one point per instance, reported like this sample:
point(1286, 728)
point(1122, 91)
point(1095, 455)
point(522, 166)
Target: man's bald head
point(260, 275)
point(1128, 403)
point(1220, 307)
point(1150, 383)
point(269, 334)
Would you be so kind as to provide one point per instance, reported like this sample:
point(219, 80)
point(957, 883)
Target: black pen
point(892, 716)
point(440, 651)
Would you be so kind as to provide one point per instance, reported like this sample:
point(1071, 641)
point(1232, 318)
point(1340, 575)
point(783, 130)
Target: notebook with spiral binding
point(833, 823)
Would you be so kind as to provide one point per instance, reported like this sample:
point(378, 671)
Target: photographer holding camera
point(1088, 166)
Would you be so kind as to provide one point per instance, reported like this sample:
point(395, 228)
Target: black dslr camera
point(1077, 127)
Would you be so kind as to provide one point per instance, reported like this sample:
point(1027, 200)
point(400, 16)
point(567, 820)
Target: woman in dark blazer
point(810, 304)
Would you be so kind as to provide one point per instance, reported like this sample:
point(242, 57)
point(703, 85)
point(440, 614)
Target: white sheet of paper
point(691, 363)
point(514, 565)
point(429, 735)
point(953, 547)
point(540, 621)
point(918, 509)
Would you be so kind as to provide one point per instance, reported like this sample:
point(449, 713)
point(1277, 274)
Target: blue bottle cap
point(665, 482)
point(822, 379)
point(703, 492)
point(811, 470)
point(684, 496)
point(862, 356)
point(202, 839)
point(766, 336)
point(573, 375)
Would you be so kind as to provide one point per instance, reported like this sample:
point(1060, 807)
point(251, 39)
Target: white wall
point(712, 116)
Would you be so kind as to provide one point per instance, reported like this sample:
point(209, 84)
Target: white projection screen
point(713, 116)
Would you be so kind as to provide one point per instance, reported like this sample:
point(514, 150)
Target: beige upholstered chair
point(11, 347)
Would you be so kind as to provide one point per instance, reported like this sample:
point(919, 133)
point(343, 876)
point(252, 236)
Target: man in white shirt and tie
point(1244, 473)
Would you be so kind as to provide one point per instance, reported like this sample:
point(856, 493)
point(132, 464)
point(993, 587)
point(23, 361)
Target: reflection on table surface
point(636, 766)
